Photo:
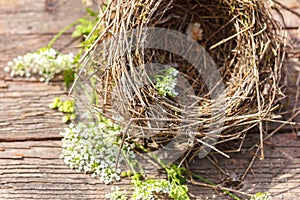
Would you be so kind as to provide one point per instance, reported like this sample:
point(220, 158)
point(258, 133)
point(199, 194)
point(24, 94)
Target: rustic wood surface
point(30, 144)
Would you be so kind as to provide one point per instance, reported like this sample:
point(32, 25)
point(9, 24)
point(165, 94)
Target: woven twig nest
point(240, 52)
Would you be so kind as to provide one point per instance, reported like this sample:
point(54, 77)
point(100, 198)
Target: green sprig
point(66, 107)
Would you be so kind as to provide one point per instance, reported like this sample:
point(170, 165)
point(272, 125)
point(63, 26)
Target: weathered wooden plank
point(29, 94)
point(31, 161)
point(8, 6)
point(62, 178)
point(34, 152)
point(36, 172)
point(29, 144)
point(99, 193)
point(68, 188)
point(7, 168)
point(35, 136)
point(261, 180)
point(29, 118)
point(204, 168)
point(31, 19)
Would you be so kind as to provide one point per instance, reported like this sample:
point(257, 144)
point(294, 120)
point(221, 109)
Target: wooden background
point(30, 143)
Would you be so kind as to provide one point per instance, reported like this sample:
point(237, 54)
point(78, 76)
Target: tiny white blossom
point(7, 69)
point(10, 63)
point(12, 73)
point(27, 74)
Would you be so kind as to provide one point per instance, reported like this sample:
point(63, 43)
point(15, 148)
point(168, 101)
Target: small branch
point(250, 164)
point(287, 8)
point(210, 184)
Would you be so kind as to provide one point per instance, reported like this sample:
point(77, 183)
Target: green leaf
point(52, 105)
point(104, 7)
point(91, 12)
point(66, 118)
point(83, 21)
point(76, 33)
point(73, 116)
point(69, 77)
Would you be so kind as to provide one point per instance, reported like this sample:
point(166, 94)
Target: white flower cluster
point(93, 148)
point(166, 84)
point(45, 63)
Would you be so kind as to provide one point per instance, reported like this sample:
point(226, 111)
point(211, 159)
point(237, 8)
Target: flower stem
point(57, 36)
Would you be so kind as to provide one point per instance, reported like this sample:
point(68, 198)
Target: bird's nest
point(227, 80)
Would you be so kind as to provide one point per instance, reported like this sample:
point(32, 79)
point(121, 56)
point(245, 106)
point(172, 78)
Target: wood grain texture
point(37, 17)
point(30, 144)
